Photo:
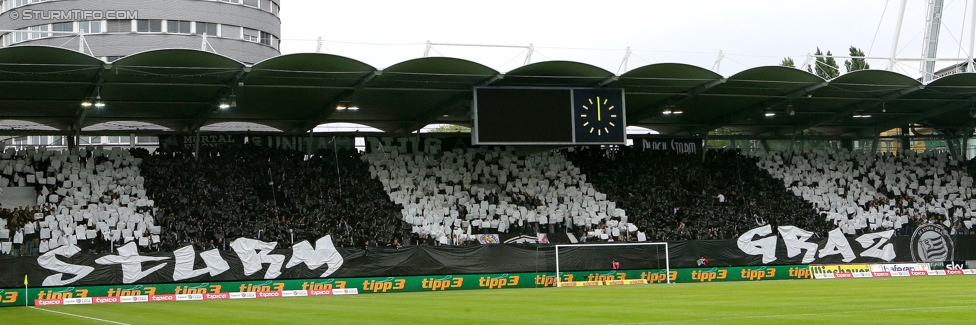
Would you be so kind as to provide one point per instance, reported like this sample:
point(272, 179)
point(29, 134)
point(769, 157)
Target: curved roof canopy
point(183, 91)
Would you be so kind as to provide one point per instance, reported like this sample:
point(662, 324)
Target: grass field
point(932, 300)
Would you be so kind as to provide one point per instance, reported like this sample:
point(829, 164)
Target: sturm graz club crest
point(931, 243)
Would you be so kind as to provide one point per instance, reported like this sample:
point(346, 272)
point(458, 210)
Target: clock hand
point(598, 117)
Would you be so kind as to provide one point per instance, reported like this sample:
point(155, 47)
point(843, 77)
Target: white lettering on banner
point(47, 302)
point(323, 253)
point(796, 242)
point(876, 245)
point(253, 254)
point(843, 275)
point(679, 146)
point(765, 246)
point(158, 298)
point(132, 263)
point(106, 300)
point(51, 262)
point(269, 294)
point(684, 147)
point(838, 244)
point(216, 296)
point(878, 250)
point(655, 145)
point(185, 258)
point(253, 261)
point(432, 146)
point(954, 266)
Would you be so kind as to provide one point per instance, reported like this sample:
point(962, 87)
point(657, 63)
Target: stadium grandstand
point(181, 168)
point(743, 133)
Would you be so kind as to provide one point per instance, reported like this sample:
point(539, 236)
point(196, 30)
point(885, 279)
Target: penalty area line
point(79, 316)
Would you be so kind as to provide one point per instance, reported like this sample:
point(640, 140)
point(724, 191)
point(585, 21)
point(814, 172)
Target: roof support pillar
point(196, 145)
point(894, 45)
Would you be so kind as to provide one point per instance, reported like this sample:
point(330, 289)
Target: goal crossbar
point(667, 257)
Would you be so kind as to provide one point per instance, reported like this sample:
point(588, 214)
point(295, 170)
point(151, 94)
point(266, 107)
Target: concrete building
point(246, 30)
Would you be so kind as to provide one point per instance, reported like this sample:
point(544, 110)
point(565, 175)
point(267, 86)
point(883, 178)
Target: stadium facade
point(245, 30)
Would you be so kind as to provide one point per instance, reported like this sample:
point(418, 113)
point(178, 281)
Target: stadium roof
point(179, 90)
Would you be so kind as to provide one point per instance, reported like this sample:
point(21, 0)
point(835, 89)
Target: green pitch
point(939, 300)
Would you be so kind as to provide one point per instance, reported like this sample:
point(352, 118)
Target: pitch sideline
point(79, 316)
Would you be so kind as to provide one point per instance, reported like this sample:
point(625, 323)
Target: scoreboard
point(549, 116)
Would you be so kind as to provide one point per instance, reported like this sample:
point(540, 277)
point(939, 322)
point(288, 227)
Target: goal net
point(590, 258)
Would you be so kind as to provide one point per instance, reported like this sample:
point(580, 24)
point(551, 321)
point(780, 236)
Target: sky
point(750, 33)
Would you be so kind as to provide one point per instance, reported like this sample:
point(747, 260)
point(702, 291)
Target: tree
point(826, 65)
point(787, 62)
point(857, 61)
point(451, 128)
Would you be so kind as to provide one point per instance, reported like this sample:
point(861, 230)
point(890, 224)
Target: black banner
point(430, 143)
point(249, 259)
point(287, 142)
point(187, 141)
point(682, 146)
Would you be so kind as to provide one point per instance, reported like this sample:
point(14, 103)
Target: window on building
point(149, 26)
point(251, 35)
point(119, 26)
point(90, 27)
point(266, 38)
point(63, 27)
point(178, 27)
point(252, 3)
point(42, 28)
point(147, 140)
point(207, 28)
point(89, 140)
point(230, 31)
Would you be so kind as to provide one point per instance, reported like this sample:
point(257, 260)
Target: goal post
point(598, 257)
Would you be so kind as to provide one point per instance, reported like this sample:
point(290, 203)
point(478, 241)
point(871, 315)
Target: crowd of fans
point(673, 196)
point(864, 192)
point(101, 199)
point(452, 195)
point(88, 198)
point(270, 195)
